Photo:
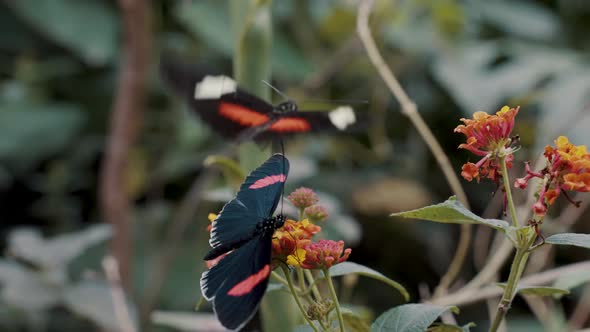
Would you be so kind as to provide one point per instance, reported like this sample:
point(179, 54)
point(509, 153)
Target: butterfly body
point(243, 232)
point(268, 225)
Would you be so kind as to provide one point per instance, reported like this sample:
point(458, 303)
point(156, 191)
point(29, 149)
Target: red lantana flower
point(568, 168)
point(488, 136)
point(321, 254)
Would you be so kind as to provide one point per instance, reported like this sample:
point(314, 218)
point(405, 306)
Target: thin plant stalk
point(410, 110)
point(516, 269)
point(312, 284)
point(278, 278)
point(520, 258)
point(334, 298)
point(296, 297)
point(508, 191)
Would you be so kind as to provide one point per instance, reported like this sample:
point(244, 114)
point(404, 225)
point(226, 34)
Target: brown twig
point(486, 292)
point(409, 109)
point(126, 116)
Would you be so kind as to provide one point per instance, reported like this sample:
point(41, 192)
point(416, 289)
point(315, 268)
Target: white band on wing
point(213, 87)
point(342, 117)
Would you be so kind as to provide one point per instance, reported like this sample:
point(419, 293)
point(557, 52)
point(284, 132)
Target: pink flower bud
point(316, 213)
point(303, 197)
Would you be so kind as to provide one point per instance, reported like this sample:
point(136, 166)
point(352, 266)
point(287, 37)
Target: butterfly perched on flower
point(243, 232)
point(230, 110)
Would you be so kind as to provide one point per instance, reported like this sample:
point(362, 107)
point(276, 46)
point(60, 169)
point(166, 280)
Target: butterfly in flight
point(231, 111)
point(243, 231)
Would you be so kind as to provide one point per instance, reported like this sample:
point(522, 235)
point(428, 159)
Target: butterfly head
point(279, 221)
point(288, 106)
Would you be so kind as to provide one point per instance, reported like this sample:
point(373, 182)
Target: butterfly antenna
point(276, 90)
point(336, 101)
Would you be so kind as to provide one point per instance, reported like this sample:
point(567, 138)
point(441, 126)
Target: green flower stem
point(334, 298)
point(508, 191)
point(312, 284)
point(278, 278)
point(296, 297)
point(300, 278)
point(520, 258)
point(516, 269)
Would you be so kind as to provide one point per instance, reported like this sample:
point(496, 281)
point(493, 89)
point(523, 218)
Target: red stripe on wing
point(291, 125)
point(246, 286)
point(267, 181)
point(242, 115)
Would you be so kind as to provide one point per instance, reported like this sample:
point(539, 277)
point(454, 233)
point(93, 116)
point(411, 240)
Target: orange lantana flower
point(293, 235)
point(568, 168)
point(488, 136)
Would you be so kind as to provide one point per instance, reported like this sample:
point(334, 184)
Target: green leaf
point(288, 60)
point(28, 289)
point(89, 28)
point(28, 244)
point(414, 317)
point(572, 280)
point(345, 268)
point(353, 322)
point(208, 21)
point(252, 57)
point(538, 290)
point(21, 128)
point(467, 75)
point(451, 211)
point(522, 18)
point(570, 239)
point(576, 83)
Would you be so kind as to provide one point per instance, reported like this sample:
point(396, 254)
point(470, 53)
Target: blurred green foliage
point(59, 60)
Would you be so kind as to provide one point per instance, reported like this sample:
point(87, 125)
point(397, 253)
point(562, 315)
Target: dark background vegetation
point(59, 64)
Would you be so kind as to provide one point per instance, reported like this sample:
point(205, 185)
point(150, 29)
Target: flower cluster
point(293, 244)
point(568, 168)
point(321, 254)
point(488, 136)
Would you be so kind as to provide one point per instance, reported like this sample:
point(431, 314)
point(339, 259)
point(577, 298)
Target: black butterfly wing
point(226, 108)
point(238, 282)
point(257, 199)
point(340, 120)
